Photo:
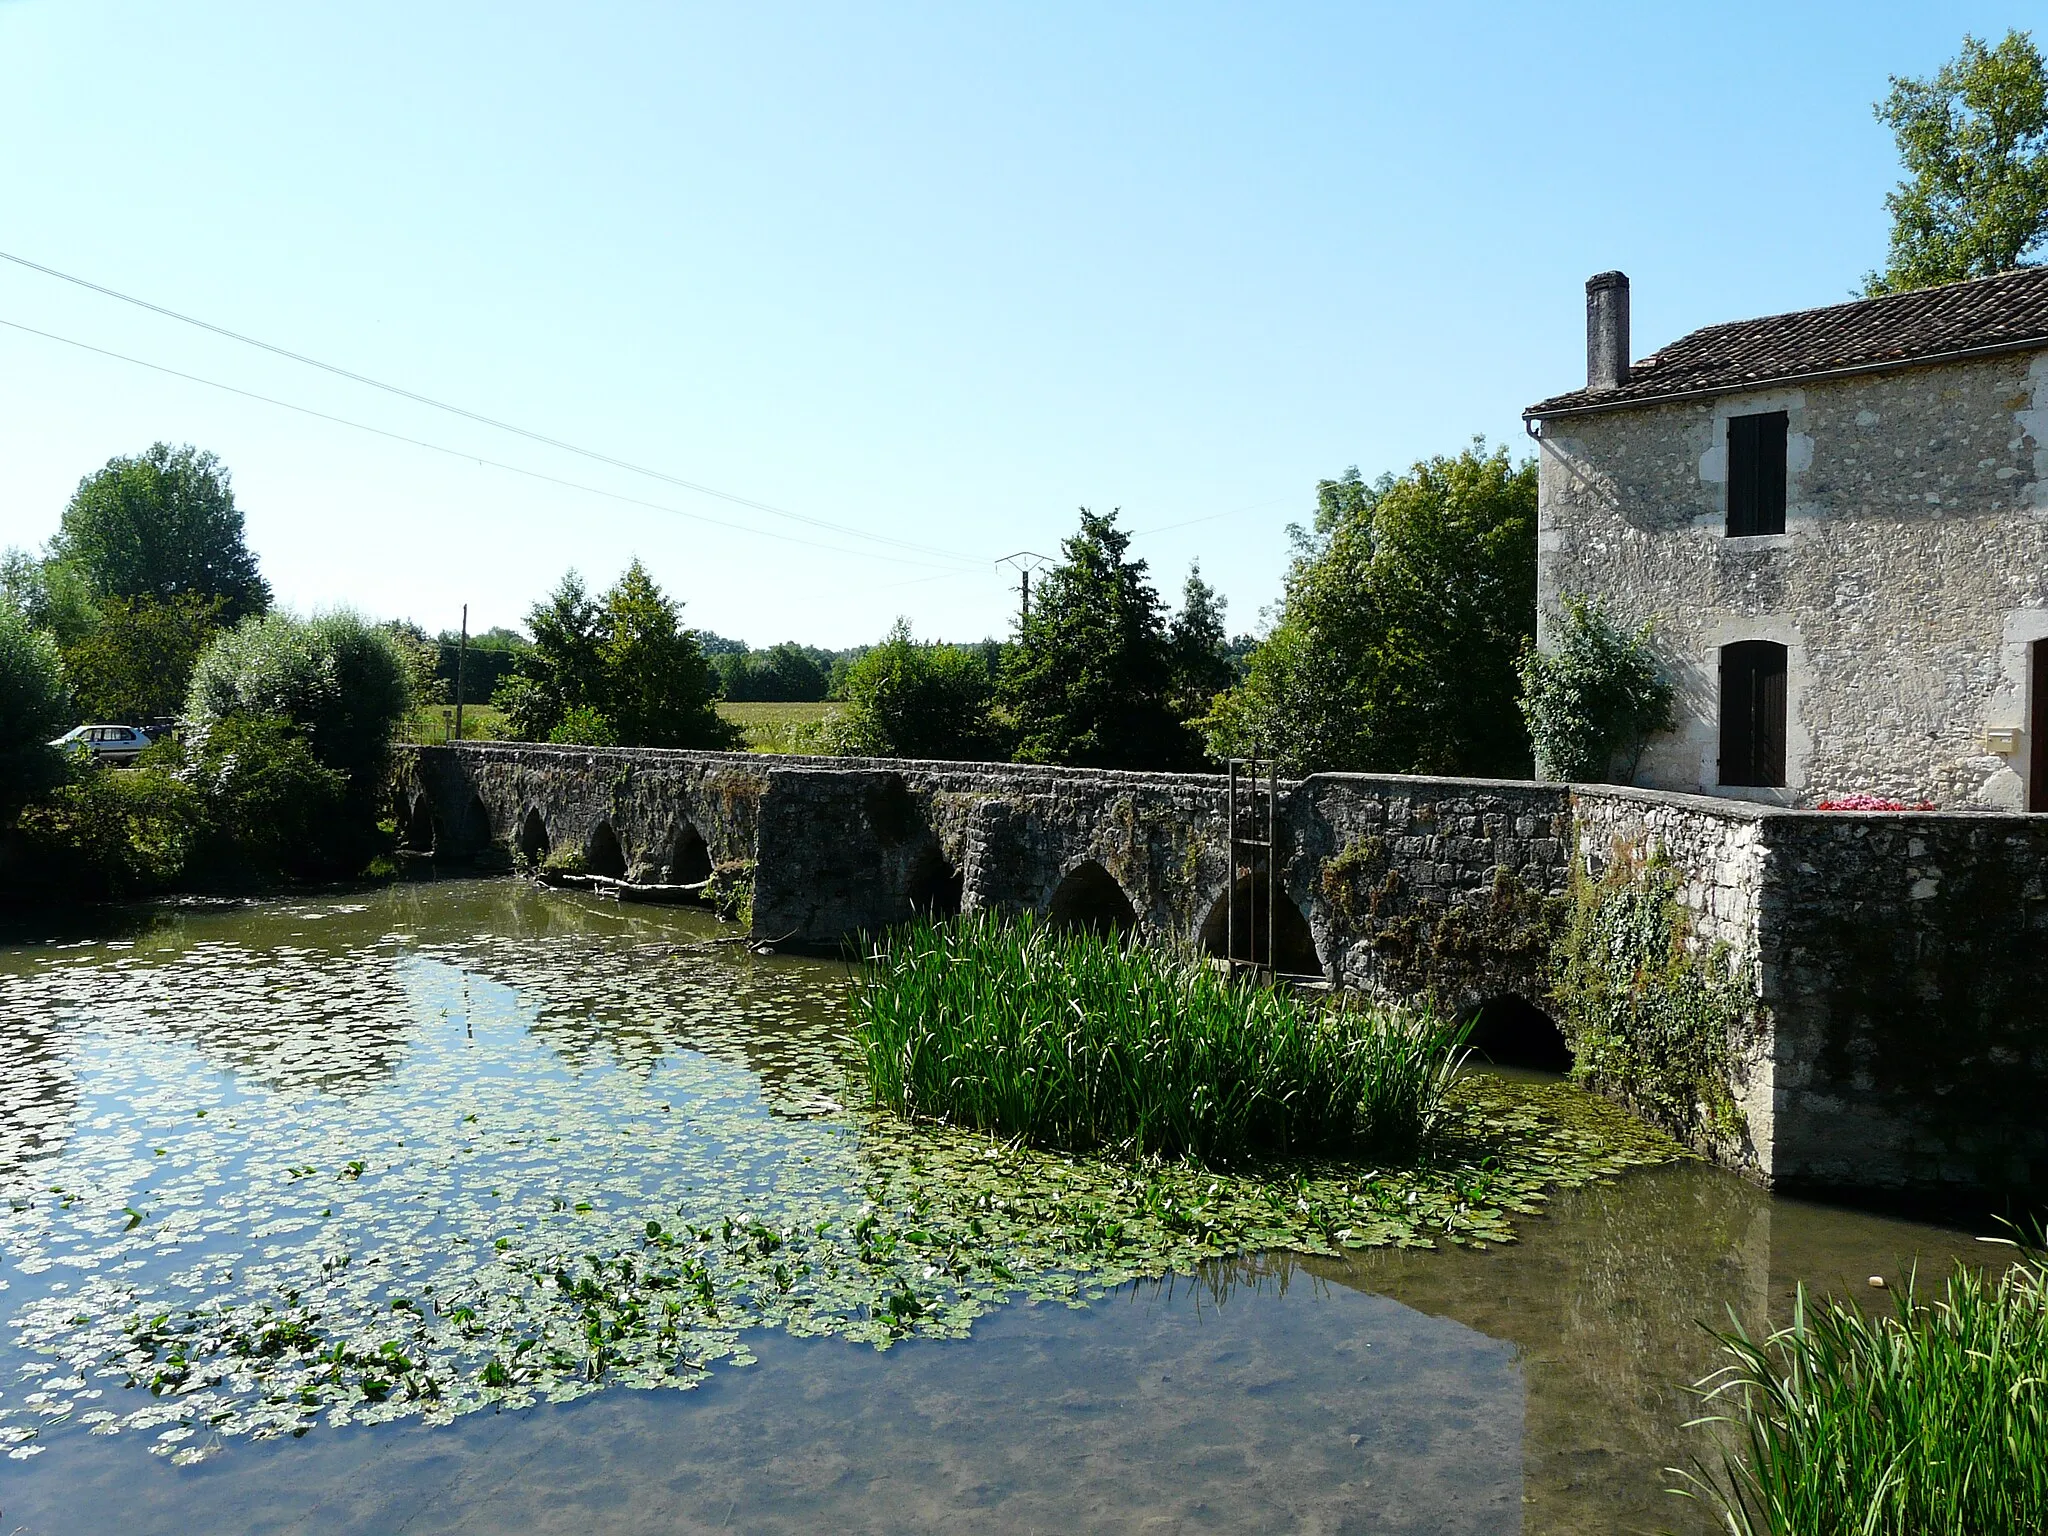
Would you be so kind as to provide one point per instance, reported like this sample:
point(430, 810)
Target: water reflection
point(1538, 1386)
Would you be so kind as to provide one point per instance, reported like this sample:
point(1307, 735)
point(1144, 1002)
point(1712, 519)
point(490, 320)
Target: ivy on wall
point(1649, 1013)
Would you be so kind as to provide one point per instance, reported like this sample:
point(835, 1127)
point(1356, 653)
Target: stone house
point(1837, 523)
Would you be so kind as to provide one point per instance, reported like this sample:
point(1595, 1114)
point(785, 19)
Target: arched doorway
point(1090, 898)
point(1511, 1031)
point(602, 855)
point(533, 838)
point(476, 826)
point(689, 860)
point(1293, 942)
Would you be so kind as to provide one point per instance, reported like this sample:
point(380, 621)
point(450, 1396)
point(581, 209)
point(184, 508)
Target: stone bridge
point(1895, 967)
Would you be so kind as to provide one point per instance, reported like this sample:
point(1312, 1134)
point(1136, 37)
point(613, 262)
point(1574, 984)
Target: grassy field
point(769, 727)
point(436, 722)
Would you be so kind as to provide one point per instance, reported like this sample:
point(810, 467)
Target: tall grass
point(1078, 1042)
point(1931, 1420)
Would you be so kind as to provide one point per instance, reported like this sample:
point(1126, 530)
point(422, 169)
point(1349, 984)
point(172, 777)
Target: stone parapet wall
point(1896, 966)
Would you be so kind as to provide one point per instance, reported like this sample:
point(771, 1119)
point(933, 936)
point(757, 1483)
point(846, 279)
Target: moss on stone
point(1650, 1013)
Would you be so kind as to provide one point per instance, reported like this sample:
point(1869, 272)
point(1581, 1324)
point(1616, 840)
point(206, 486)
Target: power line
point(476, 416)
point(459, 453)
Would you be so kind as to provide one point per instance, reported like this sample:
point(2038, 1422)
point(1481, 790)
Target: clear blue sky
point(940, 274)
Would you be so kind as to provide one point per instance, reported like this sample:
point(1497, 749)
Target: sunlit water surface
point(380, 1097)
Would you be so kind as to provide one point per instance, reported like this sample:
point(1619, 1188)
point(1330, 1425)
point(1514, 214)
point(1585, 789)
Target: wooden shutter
point(1756, 474)
point(1753, 713)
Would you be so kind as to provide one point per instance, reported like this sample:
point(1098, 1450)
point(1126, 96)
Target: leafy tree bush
point(338, 678)
point(162, 524)
point(53, 595)
point(490, 659)
point(1091, 681)
point(906, 699)
point(136, 662)
point(584, 727)
point(657, 688)
point(1593, 698)
point(1200, 648)
point(271, 806)
point(33, 709)
point(787, 673)
point(104, 833)
point(1403, 615)
point(626, 659)
point(1974, 144)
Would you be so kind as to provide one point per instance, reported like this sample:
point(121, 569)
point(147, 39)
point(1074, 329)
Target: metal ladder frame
point(1259, 860)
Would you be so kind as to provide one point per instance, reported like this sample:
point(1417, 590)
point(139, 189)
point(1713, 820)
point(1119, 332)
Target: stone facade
point(1909, 582)
point(1895, 967)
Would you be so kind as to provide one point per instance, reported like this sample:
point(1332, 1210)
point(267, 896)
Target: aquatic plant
point(1077, 1041)
point(1932, 1420)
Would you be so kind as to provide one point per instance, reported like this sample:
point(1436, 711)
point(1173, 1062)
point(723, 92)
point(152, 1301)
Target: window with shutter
point(1753, 713)
point(1756, 474)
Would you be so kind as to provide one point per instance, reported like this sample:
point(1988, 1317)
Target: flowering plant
point(1873, 803)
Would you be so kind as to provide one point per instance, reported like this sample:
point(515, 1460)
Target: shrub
point(1079, 1042)
point(906, 699)
point(111, 833)
point(583, 727)
point(135, 664)
point(33, 708)
point(1932, 1420)
point(272, 808)
point(1593, 698)
point(338, 678)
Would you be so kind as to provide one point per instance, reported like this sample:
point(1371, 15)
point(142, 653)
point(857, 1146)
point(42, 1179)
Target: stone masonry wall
point(1912, 575)
point(1898, 964)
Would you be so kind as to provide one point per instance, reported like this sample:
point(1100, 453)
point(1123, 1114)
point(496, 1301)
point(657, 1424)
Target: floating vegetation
point(353, 1171)
point(1933, 1419)
point(1080, 1041)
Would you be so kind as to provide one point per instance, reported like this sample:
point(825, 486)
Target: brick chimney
point(1607, 330)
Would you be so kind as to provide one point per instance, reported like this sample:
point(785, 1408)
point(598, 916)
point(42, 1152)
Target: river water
point(328, 1110)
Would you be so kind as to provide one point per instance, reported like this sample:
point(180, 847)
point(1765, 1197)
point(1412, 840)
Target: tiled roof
point(2009, 311)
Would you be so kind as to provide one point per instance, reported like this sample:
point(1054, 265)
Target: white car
point(107, 743)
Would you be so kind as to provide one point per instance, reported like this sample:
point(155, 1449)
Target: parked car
point(106, 743)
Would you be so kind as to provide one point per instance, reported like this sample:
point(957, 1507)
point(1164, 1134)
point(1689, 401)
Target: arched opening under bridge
point(1293, 950)
point(936, 888)
point(533, 842)
point(689, 860)
point(419, 825)
point(602, 855)
point(1090, 898)
point(1511, 1031)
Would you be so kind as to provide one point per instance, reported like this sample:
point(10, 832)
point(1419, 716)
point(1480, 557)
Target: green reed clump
point(1078, 1042)
point(1932, 1420)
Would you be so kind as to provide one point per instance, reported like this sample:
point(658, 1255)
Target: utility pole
point(461, 669)
point(1026, 562)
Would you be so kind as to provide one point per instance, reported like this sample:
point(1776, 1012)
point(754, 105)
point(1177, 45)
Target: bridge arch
point(418, 832)
point(534, 843)
point(602, 854)
point(1088, 897)
point(1510, 1031)
point(1293, 941)
point(689, 859)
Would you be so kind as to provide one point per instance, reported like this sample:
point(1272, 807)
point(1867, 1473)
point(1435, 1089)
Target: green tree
point(33, 709)
point(906, 699)
point(784, 673)
point(1402, 618)
point(1973, 141)
point(53, 595)
point(1091, 682)
point(656, 688)
point(1594, 697)
point(562, 670)
point(338, 678)
point(162, 524)
point(136, 662)
point(1200, 647)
